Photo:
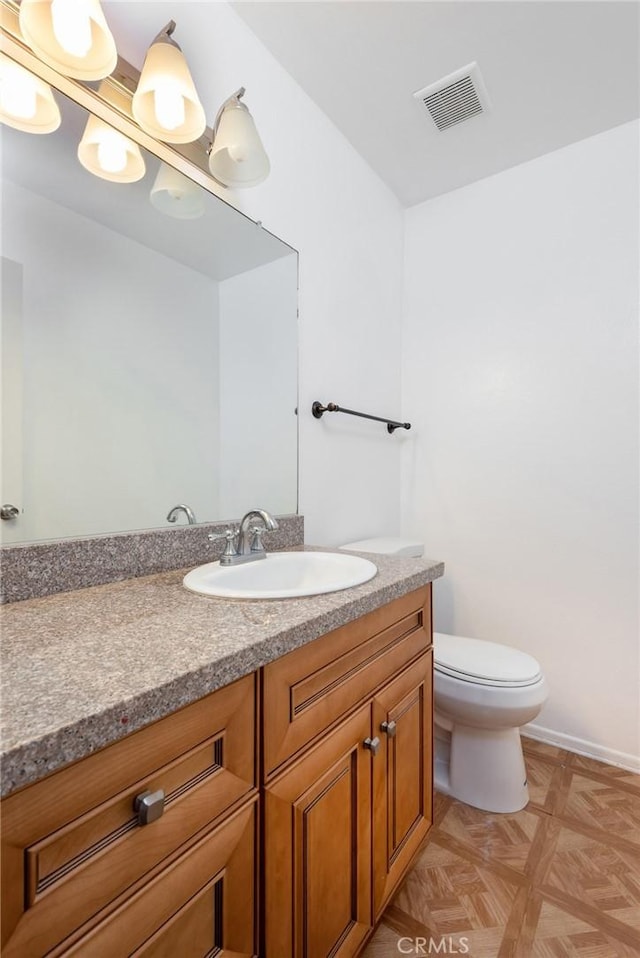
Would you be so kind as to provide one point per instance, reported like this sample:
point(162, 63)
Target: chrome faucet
point(173, 514)
point(244, 544)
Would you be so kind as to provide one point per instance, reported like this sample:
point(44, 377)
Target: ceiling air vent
point(455, 98)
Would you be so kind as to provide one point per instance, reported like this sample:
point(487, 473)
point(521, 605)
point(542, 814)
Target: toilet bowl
point(483, 693)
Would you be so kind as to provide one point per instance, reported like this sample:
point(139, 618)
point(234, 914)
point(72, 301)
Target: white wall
point(259, 389)
point(520, 372)
point(11, 389)
point(133, 340)
point(323, 199)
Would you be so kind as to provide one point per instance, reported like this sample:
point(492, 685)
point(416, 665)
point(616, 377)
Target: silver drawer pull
point(149, 806)
point(373, 744)
point(389, 728)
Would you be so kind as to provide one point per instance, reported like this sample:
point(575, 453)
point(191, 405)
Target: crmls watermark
point(433, 946)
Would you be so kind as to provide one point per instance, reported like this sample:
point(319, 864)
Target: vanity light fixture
point(237, 157)
point(166, 104)
point(72, 36)
point(26, 101)
point(109, 154)
point(176, 195)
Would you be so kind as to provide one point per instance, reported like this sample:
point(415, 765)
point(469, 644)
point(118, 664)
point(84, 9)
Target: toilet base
point(441, 760)
point(481, 767)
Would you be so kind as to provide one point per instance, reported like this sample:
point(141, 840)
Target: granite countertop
point(82, 669)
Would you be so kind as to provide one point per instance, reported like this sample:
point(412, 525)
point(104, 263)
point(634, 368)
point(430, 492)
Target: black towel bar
point(318, 411)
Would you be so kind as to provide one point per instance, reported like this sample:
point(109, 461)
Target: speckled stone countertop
point(82, 669)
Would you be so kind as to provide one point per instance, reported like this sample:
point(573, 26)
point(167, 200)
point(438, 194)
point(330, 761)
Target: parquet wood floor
point(559, 879)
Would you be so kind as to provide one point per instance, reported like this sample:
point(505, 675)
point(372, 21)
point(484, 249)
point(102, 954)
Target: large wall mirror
point(149, 348)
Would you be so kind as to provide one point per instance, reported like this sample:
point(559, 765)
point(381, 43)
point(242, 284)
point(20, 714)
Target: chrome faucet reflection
point(189, 513)
point(244, 544)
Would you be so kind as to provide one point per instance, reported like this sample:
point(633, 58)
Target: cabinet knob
point(373, 744)
point(389, 728)
point(149, 806)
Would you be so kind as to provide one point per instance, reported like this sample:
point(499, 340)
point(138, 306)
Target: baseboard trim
point(583, 747)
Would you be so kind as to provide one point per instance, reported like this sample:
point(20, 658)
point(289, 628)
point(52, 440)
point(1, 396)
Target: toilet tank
point(387, 545)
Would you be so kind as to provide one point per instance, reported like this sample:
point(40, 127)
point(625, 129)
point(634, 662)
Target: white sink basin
point(282, 575)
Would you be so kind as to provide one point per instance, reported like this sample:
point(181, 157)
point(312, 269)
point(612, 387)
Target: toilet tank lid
point(387, 545)
point(484, 662)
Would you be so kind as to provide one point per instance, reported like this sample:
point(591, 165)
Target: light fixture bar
point(113, 103)
point(116, 91)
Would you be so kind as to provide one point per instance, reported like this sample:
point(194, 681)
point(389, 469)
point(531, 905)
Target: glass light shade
point(26, 101)
point(166, 103)
point(237, 156)
point(176, 195)
point(72, 36)
point(106, 153)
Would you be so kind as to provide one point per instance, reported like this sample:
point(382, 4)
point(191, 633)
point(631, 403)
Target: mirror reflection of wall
point(148, 359)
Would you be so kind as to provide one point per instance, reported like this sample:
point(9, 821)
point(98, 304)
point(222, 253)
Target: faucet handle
point(257, 532)
point(230, 536)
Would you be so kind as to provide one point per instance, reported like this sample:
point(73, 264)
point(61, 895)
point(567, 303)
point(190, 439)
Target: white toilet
point(483, 693)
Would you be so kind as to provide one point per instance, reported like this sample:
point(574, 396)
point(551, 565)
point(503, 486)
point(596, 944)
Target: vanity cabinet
point(274, 817)
point(85, 873)
point(348, 777)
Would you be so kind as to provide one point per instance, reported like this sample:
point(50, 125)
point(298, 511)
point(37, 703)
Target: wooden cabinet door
point(318, 848)
point(403, 775)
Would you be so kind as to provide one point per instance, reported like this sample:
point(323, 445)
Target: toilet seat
point(484, 663)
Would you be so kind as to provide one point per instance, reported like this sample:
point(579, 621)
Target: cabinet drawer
point(201, 905)
point(309, 689)
point(73, 843)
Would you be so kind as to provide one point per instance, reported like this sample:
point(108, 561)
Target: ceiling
point(555, 73)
